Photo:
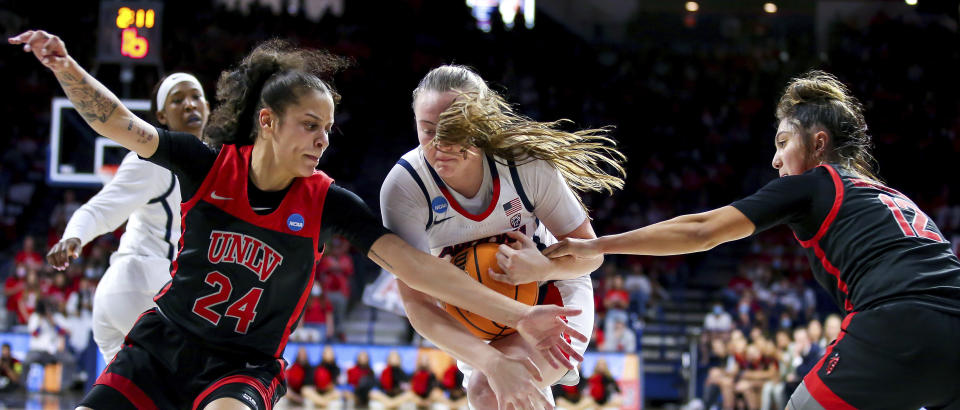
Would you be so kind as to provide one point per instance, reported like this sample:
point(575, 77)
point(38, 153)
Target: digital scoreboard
point(129, 32)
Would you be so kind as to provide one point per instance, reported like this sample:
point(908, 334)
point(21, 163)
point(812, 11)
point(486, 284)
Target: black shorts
point(159, 367)
point(900, 355)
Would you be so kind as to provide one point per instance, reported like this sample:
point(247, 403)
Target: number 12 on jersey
point(918, 227)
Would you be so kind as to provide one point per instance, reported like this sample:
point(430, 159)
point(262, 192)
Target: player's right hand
point(63, 252)
point(580, 248)
point(48, 48)
point(513, 381)
point(545, 328)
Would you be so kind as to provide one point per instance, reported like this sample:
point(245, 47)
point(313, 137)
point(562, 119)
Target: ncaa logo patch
point(439, 204)
point(295, 222)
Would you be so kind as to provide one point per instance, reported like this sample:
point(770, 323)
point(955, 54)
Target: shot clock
point(129, 32)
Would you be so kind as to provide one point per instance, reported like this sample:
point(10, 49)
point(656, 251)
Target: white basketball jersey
point(519, 194)
point(147, 197)
point(450, 228)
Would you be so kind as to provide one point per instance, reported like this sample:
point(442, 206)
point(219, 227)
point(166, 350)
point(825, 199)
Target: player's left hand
point(521, 261)
point(544, 328)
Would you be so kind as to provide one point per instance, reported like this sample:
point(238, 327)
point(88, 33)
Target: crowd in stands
point(760, 370)
point(696, 120)
point(428, 386)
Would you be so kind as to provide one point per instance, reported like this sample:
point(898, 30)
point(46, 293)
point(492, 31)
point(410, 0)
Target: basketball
point(474, 261)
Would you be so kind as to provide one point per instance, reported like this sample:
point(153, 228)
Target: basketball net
point(106, 172)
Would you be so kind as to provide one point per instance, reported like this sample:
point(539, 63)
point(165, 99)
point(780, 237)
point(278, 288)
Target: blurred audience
point(10, 370)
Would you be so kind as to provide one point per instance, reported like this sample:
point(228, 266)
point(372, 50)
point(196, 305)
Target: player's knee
point(227, 403)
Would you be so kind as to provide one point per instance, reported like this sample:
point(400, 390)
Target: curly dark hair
point(274, 75)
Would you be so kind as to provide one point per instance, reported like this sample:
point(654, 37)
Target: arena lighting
point(770, 8)
point(692, 6)
point(911, 2)
point(483, 12)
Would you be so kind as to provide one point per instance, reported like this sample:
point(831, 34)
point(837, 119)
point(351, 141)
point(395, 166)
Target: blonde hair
point(819, 99)
point(479, 117)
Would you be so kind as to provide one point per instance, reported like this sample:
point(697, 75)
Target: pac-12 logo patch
point(439, 204)
point(295, 222)
point(515, 220)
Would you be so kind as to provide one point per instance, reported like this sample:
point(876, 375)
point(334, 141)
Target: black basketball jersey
point(874, 244)
point(241, 280)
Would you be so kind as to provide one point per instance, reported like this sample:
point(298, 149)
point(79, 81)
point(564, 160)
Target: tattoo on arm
point(380, 258)
point(143, 136)
point(90, 103)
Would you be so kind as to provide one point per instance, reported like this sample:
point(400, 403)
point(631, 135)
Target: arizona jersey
point(874, 245)
point(241, 279)
point(531, 198)
point(451, 228)
point(148, 195)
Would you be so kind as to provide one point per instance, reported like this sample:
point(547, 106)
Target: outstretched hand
point(63, 252)
point(544, 327)
point(48, 48)
point(580, 248)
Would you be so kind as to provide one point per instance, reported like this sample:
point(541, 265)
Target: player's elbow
point(705, 235)
point(411, 271)
point(413, 304)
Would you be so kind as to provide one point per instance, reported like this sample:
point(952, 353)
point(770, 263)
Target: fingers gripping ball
point(474, 261)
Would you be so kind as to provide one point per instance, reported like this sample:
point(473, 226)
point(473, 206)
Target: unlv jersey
point(241, 279)
point(876, 245)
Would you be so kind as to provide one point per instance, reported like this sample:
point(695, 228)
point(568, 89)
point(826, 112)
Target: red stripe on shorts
point(817, 388)
point(128, 389)
point(239, 378)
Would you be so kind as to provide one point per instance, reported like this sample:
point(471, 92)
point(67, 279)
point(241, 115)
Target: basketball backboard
point(77, 154)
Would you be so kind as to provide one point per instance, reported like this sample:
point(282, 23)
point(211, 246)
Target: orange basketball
point(474, 261)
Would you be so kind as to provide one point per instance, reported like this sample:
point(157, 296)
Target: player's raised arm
point(95, 103)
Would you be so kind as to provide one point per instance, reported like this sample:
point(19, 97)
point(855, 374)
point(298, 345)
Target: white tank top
point(531, 198)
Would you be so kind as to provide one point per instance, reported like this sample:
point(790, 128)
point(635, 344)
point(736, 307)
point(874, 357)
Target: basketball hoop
point(106, 172)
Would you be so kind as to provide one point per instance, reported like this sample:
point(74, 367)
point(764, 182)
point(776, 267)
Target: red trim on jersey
point(478, 217)
point(107, 367)
point(300, 304)
point(128, 389)
point(151, 310)
point(225, 187)
point(238, 378)
point(817, 388)
point(865, 183)
point(456, 205)
point(228, 191)
point(167, 286)
point(824, 227)
point(817, 250)
point(837, 201)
